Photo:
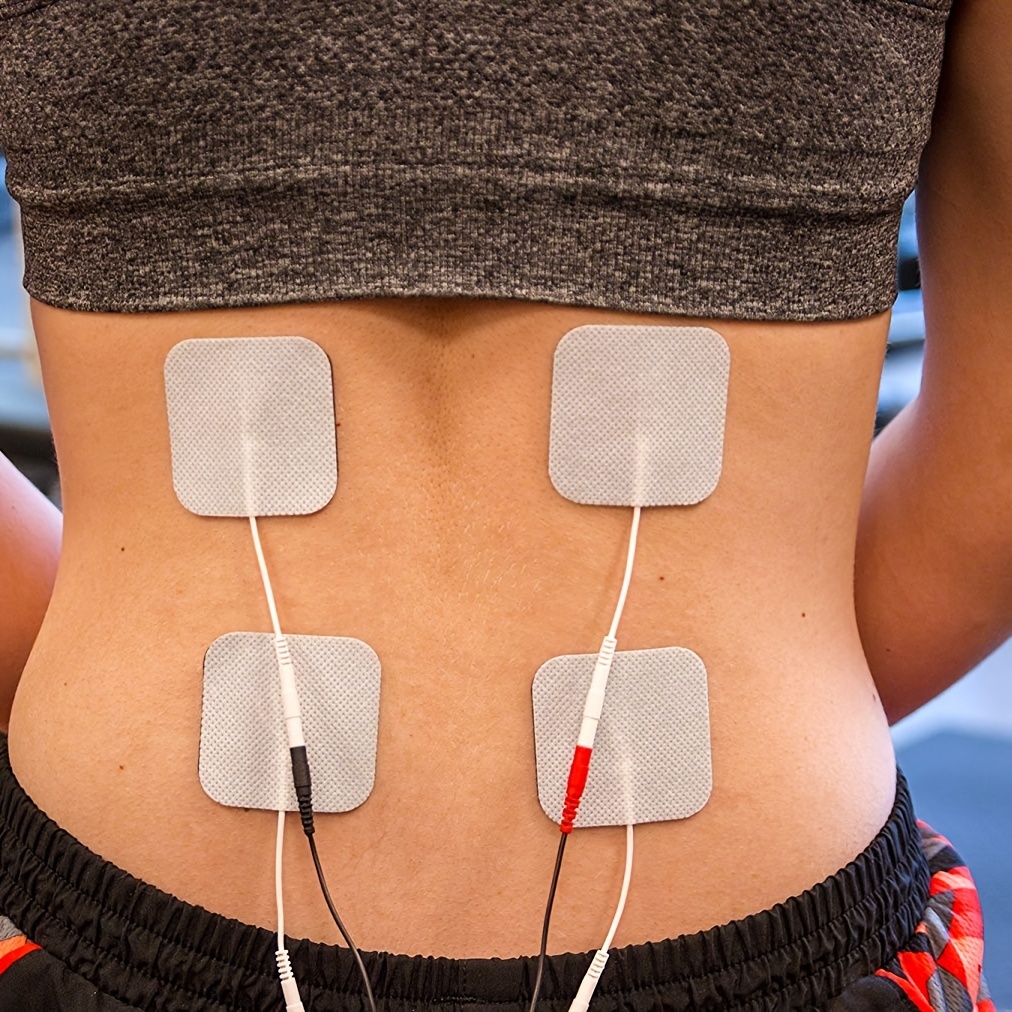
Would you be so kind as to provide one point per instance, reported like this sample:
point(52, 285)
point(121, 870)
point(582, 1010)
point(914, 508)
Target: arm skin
point(30, 529)
point(934, 556)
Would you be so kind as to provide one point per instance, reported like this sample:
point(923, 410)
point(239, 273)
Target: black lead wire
point(304, 796)
point(340, 925)
point(548, 917)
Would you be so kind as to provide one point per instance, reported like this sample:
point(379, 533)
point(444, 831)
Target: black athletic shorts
point(898, 928)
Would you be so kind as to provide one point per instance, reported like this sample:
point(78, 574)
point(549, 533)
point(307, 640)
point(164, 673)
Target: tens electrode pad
point(638, 415)
point(252, 430)
point(637, 420)
point(251, 426)
point(652, 754)
point(243, 755)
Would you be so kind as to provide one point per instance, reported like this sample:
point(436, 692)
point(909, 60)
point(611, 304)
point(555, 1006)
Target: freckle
point(660, 577)
point(802, 614)
point(122, 767)
point(123, 549)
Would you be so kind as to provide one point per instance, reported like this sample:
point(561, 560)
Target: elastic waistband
point(148, 949)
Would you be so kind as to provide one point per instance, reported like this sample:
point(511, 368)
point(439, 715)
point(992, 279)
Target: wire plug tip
point(589, 983)
point(289, 988)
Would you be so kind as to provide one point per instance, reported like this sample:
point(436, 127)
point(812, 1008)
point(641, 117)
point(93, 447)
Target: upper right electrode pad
point(638, 414)
point(251, 426)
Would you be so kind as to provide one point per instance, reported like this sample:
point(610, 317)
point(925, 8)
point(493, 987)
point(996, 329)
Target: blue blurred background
point(956, 751)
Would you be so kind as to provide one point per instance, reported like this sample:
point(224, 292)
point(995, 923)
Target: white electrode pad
point(251, 426)
point(651, 759)
point(244, 758)
point(638, 414)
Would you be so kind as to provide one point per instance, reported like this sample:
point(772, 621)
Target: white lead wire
point(290, 709)
point(279, 848)
point(263, 575)
point(589, 983)
point(626, 879)
point(278, 888)
point(289, 986)
point(631, 555)
point(594, 702)
point(588, 732)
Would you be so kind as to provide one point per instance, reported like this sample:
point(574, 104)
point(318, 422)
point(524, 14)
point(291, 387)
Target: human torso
point(449, 552)
point(714, 159)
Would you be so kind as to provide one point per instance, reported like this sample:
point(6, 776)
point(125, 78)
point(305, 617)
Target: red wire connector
point(592, 708)
point(574, 786)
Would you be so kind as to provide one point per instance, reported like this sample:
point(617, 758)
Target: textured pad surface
point(651, 760)
point(251, 426)
point(638, 414)
point(244, 760)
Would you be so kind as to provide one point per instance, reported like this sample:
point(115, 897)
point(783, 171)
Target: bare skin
point(448, 551)
point(934, 558)
point(33, 524)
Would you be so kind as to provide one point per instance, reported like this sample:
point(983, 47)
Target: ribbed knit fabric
point(719, 158)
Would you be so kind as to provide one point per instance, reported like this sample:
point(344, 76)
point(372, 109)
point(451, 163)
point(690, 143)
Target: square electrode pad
point(651, 759)
point(638, 415)
point(251, 426)
point(244, 758)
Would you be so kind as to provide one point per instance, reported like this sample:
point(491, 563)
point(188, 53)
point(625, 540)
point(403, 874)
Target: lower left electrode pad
point(251, 426)
point(244, 760)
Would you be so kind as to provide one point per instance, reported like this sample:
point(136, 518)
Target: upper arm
point(964, 206)
point(30, 528)
point(933, 572)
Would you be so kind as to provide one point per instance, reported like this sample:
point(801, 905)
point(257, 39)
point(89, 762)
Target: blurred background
point(956, 752)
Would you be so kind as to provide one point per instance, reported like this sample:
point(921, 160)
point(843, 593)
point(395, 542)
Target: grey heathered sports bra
point(721, 158)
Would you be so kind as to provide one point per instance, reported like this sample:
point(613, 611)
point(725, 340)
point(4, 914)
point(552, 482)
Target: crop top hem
point(366, 234)
point(711, 158)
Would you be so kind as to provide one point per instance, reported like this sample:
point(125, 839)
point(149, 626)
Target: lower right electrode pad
point(244, 759)
point(652, 755)
point(638, 414)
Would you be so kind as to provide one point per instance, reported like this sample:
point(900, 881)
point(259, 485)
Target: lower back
point(448, 551)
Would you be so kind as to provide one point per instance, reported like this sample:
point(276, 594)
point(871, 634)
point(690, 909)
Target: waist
point(143, 938)
point(106, 739)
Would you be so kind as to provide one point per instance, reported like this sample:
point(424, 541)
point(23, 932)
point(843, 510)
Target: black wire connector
point(303, 787)
point(304, 796)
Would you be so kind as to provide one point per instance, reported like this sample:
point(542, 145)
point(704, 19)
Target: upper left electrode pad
point(251, 426)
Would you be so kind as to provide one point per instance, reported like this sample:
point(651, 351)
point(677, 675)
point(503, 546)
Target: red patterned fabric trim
point(12, 955)
point(939, 969)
